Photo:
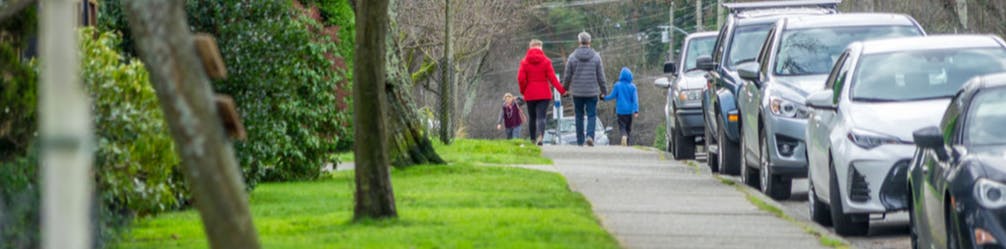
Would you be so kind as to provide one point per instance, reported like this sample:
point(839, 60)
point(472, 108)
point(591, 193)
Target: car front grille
point(894, 192)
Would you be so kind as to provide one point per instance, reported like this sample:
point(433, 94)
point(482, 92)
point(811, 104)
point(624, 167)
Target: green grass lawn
point(517, 151)
point(454, 206)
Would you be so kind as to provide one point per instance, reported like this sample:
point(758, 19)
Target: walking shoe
point(539, 143)
point(625, 141)
point(590, 141)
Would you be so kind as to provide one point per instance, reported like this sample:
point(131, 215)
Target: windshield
point(987, 120)
point(814, 51)
point(925, 74)
point(746, 44)
point(698, 47)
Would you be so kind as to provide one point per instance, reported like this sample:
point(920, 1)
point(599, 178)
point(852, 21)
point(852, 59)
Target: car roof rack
point(736, 8)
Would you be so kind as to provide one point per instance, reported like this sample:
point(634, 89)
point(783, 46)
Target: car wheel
point(748, 175)
point(710, 154)
point(818, 211)
point(845, 224)
point(913, 225)
point(953, 241)
point(775, 186)
point(684, 146)
point(727, 159)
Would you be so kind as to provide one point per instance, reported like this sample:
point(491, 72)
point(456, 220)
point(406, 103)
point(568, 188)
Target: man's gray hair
point(583, 37)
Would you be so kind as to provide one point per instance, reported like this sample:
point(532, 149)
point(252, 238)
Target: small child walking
point(626, 103)
point(511, 117)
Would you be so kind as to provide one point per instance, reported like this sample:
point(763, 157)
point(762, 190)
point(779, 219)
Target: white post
point(670, 34)
point(719, 14)
point(65, 129)
point(698, 16)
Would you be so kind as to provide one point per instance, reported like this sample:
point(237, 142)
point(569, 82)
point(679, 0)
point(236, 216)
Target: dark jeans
point(588, 105)
point(536, 117)
point(625, 125)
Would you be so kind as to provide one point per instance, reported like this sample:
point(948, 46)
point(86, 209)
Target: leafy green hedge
point(283, 77)
point(136, 160)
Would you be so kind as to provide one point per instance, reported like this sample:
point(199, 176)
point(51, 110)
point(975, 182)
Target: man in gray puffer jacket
point(584, 79)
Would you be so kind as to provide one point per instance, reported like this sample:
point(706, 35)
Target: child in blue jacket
point(626, 103)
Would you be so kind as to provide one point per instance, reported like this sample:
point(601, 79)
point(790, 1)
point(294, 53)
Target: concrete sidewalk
point(647, 201)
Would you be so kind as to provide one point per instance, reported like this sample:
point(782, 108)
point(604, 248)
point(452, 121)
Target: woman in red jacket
point(535, 75)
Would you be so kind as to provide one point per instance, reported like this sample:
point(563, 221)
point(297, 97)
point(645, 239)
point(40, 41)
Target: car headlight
point(689, 96)
point(786, 108)
point(869, 140)
point(990, 194)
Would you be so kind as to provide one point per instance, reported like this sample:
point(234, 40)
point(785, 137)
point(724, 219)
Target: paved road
point(647, 201)
point(888, 233)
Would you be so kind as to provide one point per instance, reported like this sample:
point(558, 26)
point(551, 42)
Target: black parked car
point(958, 178)
point(739, 41)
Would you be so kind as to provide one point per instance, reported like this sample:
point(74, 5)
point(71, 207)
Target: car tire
point(913, 225)
point(710, 154)
point(819, 212)
point(749, 176)
point(683, 146)
point(953, 241)
point(775, 186)
point(727, 159)
point(845, 224)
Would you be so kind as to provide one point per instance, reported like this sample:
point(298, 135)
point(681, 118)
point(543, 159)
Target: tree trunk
point(447, 97)
point(374, 196)
point(408, 138)
point(66, 133)
point(166, 47)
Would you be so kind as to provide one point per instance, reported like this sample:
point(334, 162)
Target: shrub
point(136, 160)
point(660, 137)
point(283, 83)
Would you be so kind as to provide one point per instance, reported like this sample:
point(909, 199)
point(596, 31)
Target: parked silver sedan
point(859, 133)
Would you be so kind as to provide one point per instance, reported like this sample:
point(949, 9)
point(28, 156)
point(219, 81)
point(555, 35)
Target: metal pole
point(698, 16)
point(670, 34)
point(66, 132)
point(719, 13)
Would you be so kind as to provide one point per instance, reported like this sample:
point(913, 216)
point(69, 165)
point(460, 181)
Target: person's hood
point(584, 53)
point(535, 56)
point(625, 75)
point(898, 119)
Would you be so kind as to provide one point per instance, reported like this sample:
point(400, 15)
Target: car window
point(746, 43)
point(838, 73)
point(718, 46)
point(987, 118)
point(697, 47)
point(922, 74)
point(814, 51)
point(569, 125)
point(766, 47)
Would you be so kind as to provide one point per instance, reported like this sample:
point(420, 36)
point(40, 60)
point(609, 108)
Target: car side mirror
point(670, 68)
point(822, 100)
point(662, 82)
point(931, 138)
point(705, 63)
point(749, 71)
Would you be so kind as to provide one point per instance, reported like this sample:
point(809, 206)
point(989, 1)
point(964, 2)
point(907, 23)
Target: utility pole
point(698, 16)
point(670, 35)
point(65, 126)
point(962, 13)
point(447, 82)
point(719, 13)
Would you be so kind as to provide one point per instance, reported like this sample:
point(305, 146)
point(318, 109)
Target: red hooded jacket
point(535, 74)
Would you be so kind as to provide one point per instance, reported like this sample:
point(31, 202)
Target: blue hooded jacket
point(624, 94)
